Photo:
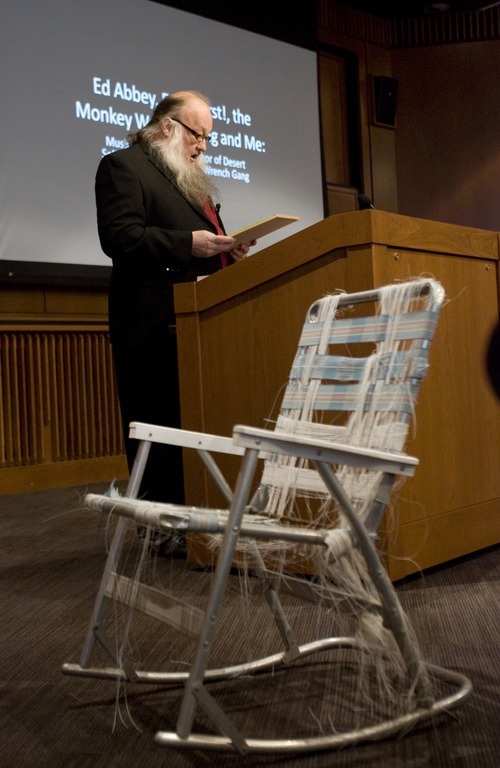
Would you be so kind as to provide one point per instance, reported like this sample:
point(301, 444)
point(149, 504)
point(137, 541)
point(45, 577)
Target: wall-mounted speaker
point(385, 99)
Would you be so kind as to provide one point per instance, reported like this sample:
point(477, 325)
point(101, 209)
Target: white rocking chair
point(309, 527)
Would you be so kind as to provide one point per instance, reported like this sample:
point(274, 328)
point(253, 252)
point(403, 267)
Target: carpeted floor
point(53, 551)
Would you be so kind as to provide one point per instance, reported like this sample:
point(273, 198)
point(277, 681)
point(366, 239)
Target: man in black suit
point(158, 223)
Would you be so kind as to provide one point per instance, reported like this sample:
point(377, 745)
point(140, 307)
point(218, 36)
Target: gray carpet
point(52, 556)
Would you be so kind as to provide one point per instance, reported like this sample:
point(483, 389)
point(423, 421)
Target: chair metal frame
point(236, 523)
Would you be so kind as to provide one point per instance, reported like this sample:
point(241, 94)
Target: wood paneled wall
point(59, 415)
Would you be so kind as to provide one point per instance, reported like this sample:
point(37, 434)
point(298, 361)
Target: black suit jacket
point(145, 226)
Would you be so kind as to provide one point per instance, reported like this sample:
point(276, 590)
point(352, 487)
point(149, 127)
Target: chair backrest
point(355, 379)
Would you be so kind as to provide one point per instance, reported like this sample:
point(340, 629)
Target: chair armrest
point(184, 438)
point(314, 449)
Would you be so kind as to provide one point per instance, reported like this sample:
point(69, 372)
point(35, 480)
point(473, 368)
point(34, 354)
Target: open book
point(263, 227)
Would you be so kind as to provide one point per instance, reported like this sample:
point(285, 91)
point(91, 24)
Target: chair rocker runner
point(306, 527)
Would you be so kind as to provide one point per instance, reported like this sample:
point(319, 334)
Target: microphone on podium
point(365, 203)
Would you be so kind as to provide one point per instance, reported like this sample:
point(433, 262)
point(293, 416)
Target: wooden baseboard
point(62, 474)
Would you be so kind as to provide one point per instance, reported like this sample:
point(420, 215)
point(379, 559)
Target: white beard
point(190, 177)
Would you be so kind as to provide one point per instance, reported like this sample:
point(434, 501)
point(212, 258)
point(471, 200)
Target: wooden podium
point(238, 331)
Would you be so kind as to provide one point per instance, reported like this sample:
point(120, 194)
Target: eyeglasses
point(198, 136)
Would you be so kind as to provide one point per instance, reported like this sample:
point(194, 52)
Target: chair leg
point(274, 603)
point(114, 555)
point(194, 685)
point(393, 615)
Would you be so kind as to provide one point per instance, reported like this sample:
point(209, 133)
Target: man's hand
point(241, 251)
point(206, 244)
